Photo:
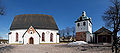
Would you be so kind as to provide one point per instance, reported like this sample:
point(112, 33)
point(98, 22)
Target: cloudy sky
point(65, 12)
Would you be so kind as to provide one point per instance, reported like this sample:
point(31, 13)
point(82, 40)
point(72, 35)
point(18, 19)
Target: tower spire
point(83, 13)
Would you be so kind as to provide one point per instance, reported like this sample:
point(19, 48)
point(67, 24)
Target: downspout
point(39, 40)
point(23, 40)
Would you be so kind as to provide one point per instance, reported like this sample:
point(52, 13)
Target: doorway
point(104, 39)
point(31, 40)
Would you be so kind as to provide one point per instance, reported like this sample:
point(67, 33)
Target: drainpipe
point(39, 40)
point(23, 40)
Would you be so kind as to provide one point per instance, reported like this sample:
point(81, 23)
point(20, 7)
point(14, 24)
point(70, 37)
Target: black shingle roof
point(38, 21)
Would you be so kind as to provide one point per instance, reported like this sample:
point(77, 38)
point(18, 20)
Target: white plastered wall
point(87, 28)
point(12, 36)
point(37, 39)
point(47, 35)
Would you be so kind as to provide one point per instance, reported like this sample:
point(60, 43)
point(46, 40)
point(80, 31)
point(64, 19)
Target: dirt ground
point(52, 48)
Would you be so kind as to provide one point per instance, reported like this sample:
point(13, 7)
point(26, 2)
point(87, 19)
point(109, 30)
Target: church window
point(31, 32)
point(43, 36)
point(16, 37)
point(84, 23)
point(78, 24)
point(51, 37)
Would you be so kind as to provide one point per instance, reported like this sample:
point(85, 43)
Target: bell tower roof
point(83, 13)
point(83, 17)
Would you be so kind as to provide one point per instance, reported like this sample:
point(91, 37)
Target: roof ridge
point(33, 14)
point(101, 29)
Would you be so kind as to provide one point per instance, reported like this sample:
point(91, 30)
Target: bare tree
point(73, 31)
point(2, 8)
point(112, 20)
point(63, 32)
point(2, 11)
point(68, 30)
point(60, 32)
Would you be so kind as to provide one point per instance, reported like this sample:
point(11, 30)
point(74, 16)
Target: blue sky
point(65, 12)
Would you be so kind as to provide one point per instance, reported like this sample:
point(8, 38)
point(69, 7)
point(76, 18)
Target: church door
point(31, 41)
point(104, 39)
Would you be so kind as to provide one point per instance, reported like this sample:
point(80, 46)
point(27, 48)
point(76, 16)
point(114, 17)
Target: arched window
point(84, 23)
point(51, 37)
point(78, 24)
point(43, 36)
point(16, 37)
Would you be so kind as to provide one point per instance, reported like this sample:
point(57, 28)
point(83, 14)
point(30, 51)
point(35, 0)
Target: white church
point(84, 28)
point(33, 29)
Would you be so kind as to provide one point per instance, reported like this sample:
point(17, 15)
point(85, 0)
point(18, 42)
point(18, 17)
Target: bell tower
point(83, 28)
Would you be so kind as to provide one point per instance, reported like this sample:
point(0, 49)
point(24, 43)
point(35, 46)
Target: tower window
point(80, 18)
point(78, 24)
point(84, 23)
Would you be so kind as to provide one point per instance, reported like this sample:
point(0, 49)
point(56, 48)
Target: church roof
point(102, 30)
point(38, 21)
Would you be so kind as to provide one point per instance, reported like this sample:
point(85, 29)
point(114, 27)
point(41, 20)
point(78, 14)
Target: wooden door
point(31, 41)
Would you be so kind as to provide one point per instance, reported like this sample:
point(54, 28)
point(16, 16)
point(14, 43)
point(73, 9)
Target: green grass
point(15, 44)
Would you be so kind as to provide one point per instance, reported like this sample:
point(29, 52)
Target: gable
point(31, 30)
point(102, 31)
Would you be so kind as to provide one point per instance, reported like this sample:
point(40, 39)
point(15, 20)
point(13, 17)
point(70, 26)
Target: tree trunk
point(73, 37)
point(115, 41)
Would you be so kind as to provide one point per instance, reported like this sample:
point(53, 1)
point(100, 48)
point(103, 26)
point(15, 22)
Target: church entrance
point(31, 40)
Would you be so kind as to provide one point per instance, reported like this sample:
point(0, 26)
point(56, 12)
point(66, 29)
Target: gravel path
point(51, 48)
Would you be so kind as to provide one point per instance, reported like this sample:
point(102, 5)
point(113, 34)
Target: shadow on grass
point(6, 48)
point(85, 47)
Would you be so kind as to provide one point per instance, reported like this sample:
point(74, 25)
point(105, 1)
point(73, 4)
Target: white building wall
point(37, 39)
point(12, 36)
point(82, 28)
point(87, 28)
point(57, 38)
point(47, 35)
point(88, 37)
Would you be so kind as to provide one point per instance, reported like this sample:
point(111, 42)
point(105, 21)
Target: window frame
point(78, 24)
point(51, 37)
point(17, 37)
point(84, 23)
point(43, 36)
